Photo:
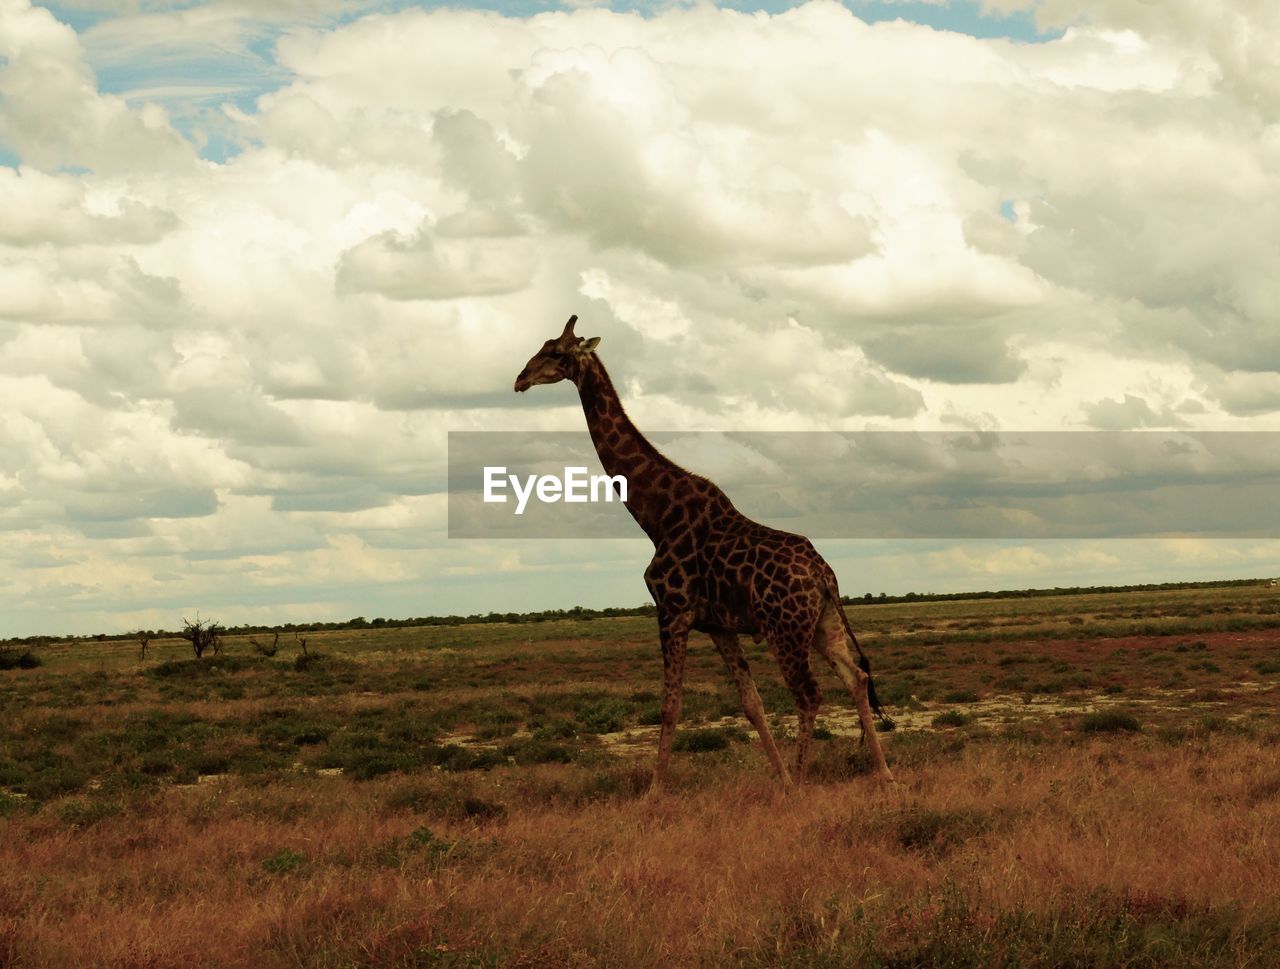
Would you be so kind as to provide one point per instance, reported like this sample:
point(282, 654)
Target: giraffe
point(715, 570)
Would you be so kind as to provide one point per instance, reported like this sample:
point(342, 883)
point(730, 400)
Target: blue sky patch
point(192, 78)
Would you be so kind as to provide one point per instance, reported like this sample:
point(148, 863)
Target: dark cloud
point(142, 502)
point(428, 266)
point(1129, 413)
point(957, 354)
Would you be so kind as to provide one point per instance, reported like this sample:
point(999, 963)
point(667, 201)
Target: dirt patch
point(998, 710)
point(1142, 664)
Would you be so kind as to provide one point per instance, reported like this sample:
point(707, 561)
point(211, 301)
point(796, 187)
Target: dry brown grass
point(983, 851)
point(1016, 838)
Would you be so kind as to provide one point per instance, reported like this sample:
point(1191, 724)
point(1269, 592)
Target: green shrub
point(701, 741)
point(12, 658)
point(319, 662)
point(207, 666)
point(365, 765)
point(937, 832)
point(478, 809)
point(556, 730)
point(651, 715)
point(86, 813)
point(283, 861)
point(453, 757)
point(428, 797)
point(951, 718)
point(309, 736)
point(424, 839)
point(604, 716)
point(538, 751)
point(1109, 721)
point(53, 781)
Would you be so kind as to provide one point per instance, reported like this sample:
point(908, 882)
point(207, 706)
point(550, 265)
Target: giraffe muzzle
point(523, 383)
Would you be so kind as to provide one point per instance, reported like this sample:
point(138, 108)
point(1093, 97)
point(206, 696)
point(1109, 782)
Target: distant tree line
point(648, 609)
point(360, 622)
point(1056, 591)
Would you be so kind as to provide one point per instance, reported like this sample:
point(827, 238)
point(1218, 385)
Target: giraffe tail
point(886, 722)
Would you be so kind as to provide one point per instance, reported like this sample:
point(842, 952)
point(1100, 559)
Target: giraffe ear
point(589, 345)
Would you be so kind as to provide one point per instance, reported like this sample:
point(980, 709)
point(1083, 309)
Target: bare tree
point(203, 634)
point(266, 650)
point(145, 640)
point(301, 642)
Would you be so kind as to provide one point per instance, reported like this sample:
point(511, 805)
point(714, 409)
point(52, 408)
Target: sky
point(258, 259)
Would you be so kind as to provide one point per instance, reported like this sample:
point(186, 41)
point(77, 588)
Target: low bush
point(1109, 721)
point(951, 718)
point(937, 832)
point(18, 659)
point(283, 862)
point(604, 716)
point(88, 812)
point(701, 741)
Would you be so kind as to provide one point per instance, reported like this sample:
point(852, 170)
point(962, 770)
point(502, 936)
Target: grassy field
point(1084, 781)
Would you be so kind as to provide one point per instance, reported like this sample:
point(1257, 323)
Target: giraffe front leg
point(804, 737)
point(675, 645)
point(736, 660)
point(804, 688)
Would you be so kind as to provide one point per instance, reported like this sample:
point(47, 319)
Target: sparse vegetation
point(18, 658)
point(1109, 721)
point(701, 741)
point(471, 795)
point(203, 634)
point(950, 718)
point(267, 649)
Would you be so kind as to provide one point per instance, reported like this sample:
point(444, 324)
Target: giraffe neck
point(654, 481)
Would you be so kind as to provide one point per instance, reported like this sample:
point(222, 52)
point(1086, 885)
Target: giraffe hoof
point(887, 781)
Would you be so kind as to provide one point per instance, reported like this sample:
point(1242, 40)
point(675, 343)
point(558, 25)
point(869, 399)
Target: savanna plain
point(1084, 780)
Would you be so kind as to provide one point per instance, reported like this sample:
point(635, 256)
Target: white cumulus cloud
point(773, 221)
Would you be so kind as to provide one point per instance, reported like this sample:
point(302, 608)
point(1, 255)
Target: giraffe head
point(558, 359)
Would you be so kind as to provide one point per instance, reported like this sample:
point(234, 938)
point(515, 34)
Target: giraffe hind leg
point(831, 641)
point(808, 697)
point(731, 650)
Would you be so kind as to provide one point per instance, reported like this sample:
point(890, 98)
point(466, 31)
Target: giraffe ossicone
point(715, 570)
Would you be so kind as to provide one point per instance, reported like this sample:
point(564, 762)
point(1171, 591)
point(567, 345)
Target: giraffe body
point(714, 570)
